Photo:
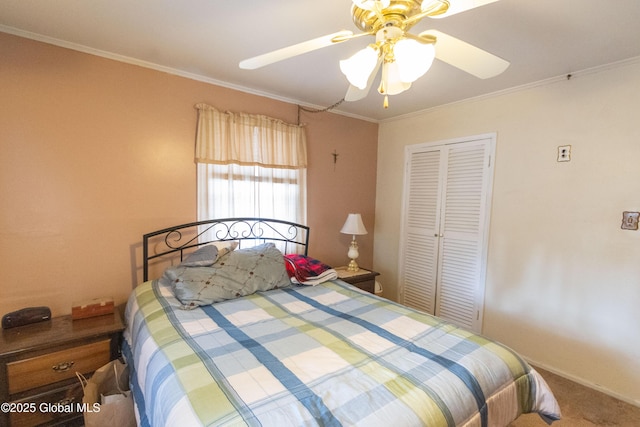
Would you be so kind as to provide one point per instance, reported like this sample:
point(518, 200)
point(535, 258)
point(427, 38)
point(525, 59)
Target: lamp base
point(353, 254)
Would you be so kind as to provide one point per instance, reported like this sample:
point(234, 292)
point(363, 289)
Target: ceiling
point(206, 39)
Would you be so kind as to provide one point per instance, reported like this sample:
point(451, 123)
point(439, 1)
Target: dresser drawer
point(57, 366)
point(56, 405)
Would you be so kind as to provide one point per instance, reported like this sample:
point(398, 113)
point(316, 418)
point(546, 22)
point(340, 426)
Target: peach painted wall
point(94, 153)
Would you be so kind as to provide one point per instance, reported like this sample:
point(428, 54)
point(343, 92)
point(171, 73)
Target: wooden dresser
point(38, 365)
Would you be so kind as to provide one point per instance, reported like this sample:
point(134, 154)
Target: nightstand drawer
point(64, 402)
point(57, 366)
point(363, 279)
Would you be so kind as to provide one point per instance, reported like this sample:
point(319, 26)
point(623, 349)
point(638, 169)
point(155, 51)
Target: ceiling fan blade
point(466, 57)
point(354, 93)
point(295, 50)
point(457, 6)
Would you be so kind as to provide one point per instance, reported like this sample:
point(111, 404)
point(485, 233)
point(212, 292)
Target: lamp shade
point(390, 83)
point(413, 59)
point(359, 67)
point(353, 225)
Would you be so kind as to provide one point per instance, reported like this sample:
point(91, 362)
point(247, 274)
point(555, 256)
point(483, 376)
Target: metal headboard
point(182, 239)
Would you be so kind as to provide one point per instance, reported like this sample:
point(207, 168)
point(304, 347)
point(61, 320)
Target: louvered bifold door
point(460, 273)
point(418, 259)
point(443, 245)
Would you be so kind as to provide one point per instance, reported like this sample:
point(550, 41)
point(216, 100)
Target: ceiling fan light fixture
point(403, 56)
point(413, 59)
point(359, 67)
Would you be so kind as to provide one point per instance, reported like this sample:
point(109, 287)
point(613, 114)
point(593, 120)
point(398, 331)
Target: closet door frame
point(479, 293)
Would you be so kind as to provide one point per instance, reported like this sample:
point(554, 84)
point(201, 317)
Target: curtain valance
point(246, 139)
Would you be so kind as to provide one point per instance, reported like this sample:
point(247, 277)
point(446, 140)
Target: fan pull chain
point(314, 110)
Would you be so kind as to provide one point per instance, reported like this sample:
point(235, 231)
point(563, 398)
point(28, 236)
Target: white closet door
point(460, 273)
point(422, 216)
point(444, 240)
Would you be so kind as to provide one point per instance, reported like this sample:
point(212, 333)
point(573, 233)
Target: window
point(227, 191)
point(251, 166)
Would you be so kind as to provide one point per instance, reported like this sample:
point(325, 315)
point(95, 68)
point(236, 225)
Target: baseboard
point(583, 382)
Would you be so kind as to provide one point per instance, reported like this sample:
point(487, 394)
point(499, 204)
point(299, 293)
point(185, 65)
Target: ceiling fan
point(403, 56)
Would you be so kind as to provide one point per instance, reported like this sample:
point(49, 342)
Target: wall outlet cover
point(564, 153)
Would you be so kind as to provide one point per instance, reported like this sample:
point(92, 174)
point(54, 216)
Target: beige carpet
point(583, 407)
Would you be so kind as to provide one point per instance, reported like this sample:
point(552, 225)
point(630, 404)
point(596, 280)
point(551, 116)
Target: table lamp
point(354, 226)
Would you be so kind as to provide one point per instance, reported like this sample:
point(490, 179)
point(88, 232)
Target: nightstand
point(38, 365)
point(363, 279)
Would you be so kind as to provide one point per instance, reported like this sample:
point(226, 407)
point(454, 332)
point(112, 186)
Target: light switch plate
point(630, 220)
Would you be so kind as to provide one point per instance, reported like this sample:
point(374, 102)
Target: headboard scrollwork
point(181, 239)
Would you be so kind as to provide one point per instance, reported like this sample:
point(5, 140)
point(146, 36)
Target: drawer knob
point(63, 366)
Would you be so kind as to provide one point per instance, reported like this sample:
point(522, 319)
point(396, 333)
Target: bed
point(284, 354)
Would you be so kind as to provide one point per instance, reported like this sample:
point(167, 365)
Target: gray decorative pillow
point(241, 272)
point(203, 257)
point(224, 248)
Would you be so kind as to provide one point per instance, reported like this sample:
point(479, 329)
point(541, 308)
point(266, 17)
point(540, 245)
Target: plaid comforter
point(324, 355)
